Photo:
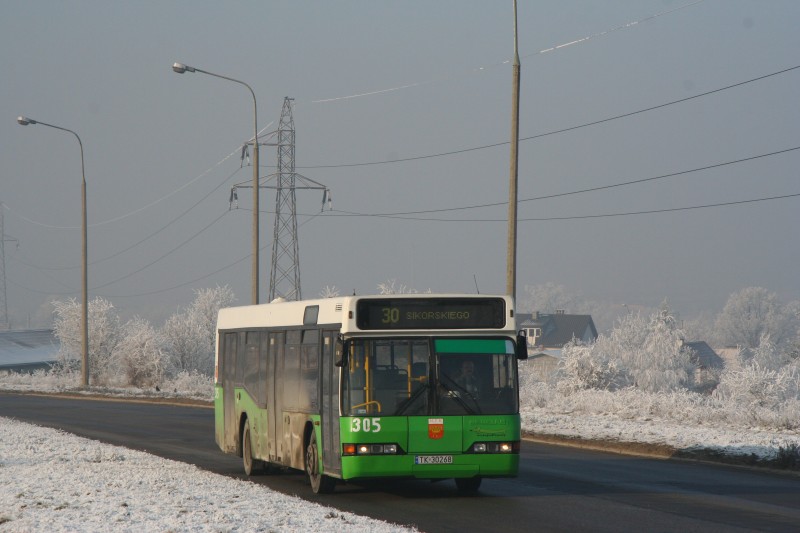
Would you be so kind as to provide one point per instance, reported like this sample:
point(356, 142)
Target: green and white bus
point(358, 387)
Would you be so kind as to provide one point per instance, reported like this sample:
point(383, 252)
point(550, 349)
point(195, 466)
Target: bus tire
point(320, 483)
point(251, 466)
point(468, 485)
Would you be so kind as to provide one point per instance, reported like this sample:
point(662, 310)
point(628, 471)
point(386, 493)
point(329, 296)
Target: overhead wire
point(148, 237)
point(463, 150)
point(170, 252)
point(508, 61)
point(576, 217)
point(555, 132)
point(590, 189)
point(230, 265)
point(401, 215)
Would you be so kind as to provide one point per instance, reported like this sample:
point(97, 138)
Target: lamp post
point(24, 121)
point(180, 68)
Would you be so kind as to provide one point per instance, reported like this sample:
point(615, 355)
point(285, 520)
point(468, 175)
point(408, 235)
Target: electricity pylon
point(284, 275)
point(3, 301)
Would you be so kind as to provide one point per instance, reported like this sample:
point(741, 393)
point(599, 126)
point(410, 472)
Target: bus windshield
point(430, 376)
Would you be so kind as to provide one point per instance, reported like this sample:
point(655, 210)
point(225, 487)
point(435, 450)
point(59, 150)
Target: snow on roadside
point(54, 481)
point(730, 441)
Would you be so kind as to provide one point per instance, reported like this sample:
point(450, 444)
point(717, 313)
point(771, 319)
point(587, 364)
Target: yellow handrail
point(376, 402)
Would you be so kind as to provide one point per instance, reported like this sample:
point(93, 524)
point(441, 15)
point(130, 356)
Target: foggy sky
point(156, 145)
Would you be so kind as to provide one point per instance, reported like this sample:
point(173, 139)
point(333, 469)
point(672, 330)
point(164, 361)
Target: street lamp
point(180, 68)
point(24, 121)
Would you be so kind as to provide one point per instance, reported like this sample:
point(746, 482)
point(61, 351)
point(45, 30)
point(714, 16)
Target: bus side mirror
point(522, 346)
point(340, 352)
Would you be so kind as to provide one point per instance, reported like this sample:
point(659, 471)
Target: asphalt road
point(558, 488)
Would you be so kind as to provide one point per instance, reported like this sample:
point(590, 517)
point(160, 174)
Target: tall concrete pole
point(511, 260)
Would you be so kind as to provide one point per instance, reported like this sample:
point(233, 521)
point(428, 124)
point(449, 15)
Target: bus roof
point(342, 310)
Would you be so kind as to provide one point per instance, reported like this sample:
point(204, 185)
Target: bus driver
point(467, 380)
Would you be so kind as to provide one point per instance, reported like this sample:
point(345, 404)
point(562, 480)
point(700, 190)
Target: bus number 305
point(367, 425)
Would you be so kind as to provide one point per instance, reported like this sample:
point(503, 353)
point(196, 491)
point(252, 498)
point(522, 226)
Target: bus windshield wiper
point(411, 399)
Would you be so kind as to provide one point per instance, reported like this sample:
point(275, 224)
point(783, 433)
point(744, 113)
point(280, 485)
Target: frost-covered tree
point(701, 327)
point(668, 366)
point(104, 335)
point(329, 291)
point(549, 297)
point(767, 355)
point(644, 353)
point(590, 366)
point(184, 343)
point(190, 334)
point(206, 306)
point(139, 355)
point(392, 287)
point(753, 313)
point(756, 386)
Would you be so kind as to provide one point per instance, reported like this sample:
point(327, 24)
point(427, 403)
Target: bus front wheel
point(320, 483)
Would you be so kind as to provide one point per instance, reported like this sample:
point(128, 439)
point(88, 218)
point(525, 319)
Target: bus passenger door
point(228, 393)
point(275, 396)
point(331, 455)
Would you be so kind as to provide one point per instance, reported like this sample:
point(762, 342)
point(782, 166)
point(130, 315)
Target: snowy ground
point(53, 481)
point(684, 439)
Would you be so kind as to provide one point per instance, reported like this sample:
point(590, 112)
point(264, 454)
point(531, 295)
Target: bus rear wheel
point(468, 485)
point(251, 465)
point(320, 483)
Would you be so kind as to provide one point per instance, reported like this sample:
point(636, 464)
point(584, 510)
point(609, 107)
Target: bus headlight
point(370, 449)
point(494, 447)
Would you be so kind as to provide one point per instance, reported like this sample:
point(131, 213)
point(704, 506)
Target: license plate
point(433, 459)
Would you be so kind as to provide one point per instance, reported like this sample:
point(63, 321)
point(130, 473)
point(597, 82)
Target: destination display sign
point(431, 313)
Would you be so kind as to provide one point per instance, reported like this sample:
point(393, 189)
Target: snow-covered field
point(52, 481)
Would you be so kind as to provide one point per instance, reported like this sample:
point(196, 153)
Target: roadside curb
point(97, 396)
point(663, 451)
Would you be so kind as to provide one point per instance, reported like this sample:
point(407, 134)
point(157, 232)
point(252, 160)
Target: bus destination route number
point(433, 460)
point(430, 313)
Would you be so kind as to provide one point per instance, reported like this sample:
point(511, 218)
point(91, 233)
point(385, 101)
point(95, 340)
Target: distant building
point(703, 356)
point(731, 357)
point(548, 333)
point(707, 364)
point(28, 350)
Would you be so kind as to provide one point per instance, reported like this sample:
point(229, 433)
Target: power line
point(150, 236)
point(577, 217)
point(592, 189)
point(555, 132)
point(173, 250)
point(195, 280)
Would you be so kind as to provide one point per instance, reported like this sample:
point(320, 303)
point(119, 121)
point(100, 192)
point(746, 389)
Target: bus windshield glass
point(430, 376)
